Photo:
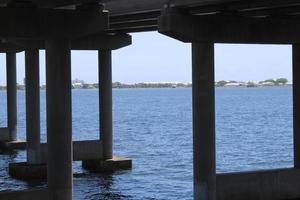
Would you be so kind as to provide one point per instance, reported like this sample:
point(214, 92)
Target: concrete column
point(296, 103)
point(105, 101)
point(32, 78)
point(11, 82)
point(203, 121)
point(59, 119)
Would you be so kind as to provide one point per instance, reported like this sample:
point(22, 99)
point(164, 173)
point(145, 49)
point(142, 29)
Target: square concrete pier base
point(24, 171)
point(109, 165)
point(13, 145)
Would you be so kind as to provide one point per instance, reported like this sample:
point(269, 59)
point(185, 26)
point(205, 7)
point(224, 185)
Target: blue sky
point(154, 57)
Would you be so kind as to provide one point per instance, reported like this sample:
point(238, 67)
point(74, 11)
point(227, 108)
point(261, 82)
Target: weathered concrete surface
point(4, 134)
point(296, 104)
point(82, 150)
point(32, 78)
point(105, 101)
point(91, 42)
point(228, 28)
point(259, 185)
point(59, 119)
point(25, 171)
point(13, 145)
point(11, 82)
point(37, 194)
point(6, 144)
point(108, 165)
point(22, 23)
point(204, 149)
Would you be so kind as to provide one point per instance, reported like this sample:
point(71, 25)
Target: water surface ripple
point(154, 128)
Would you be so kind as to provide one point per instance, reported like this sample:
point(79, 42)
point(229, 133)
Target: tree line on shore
point(267, 82)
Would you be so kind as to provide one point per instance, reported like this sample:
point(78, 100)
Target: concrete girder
point(7, 47)
point(229, 28)
point(102, 42)
point(43, 24)
point(91, 42)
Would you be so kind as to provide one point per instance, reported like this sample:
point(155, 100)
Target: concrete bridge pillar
point(203, 121)
point(59, 119)
point(11, 82)
point(32, 78)
point(108, 161)
point(105, 102)
point(296, 103)
point(8, 135)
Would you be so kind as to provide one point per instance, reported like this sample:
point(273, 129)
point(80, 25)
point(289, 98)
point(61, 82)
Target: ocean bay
point(154, 128)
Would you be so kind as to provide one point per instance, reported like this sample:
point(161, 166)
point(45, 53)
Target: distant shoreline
point(80, 84)
point(278, 86)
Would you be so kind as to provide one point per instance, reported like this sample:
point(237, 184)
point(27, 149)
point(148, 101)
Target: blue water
point(154, 128)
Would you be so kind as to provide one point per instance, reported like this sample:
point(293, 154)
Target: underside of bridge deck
point(58, 26)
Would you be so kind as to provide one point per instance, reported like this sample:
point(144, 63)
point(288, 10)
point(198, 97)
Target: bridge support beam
point(97, 155)
point(59, 119)
point(203, 121)
point(11, 80)
point(105, 102)
point(296, 103)
point(109, 162)
point(33, 168)
point(32, 78)
point(8, 136)
point(202, 32)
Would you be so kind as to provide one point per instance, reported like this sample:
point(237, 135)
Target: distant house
point(235, 84)
point(267, 83)
point(77, 84)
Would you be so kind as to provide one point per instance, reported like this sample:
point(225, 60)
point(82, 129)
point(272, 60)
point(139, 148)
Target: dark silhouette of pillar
point(296, 103)
point(105, 101)
point(59, 119)
point(32, 81)
point(203, 121)
point(11, 82)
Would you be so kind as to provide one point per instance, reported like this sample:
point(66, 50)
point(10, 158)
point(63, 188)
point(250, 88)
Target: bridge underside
point(49, 24)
